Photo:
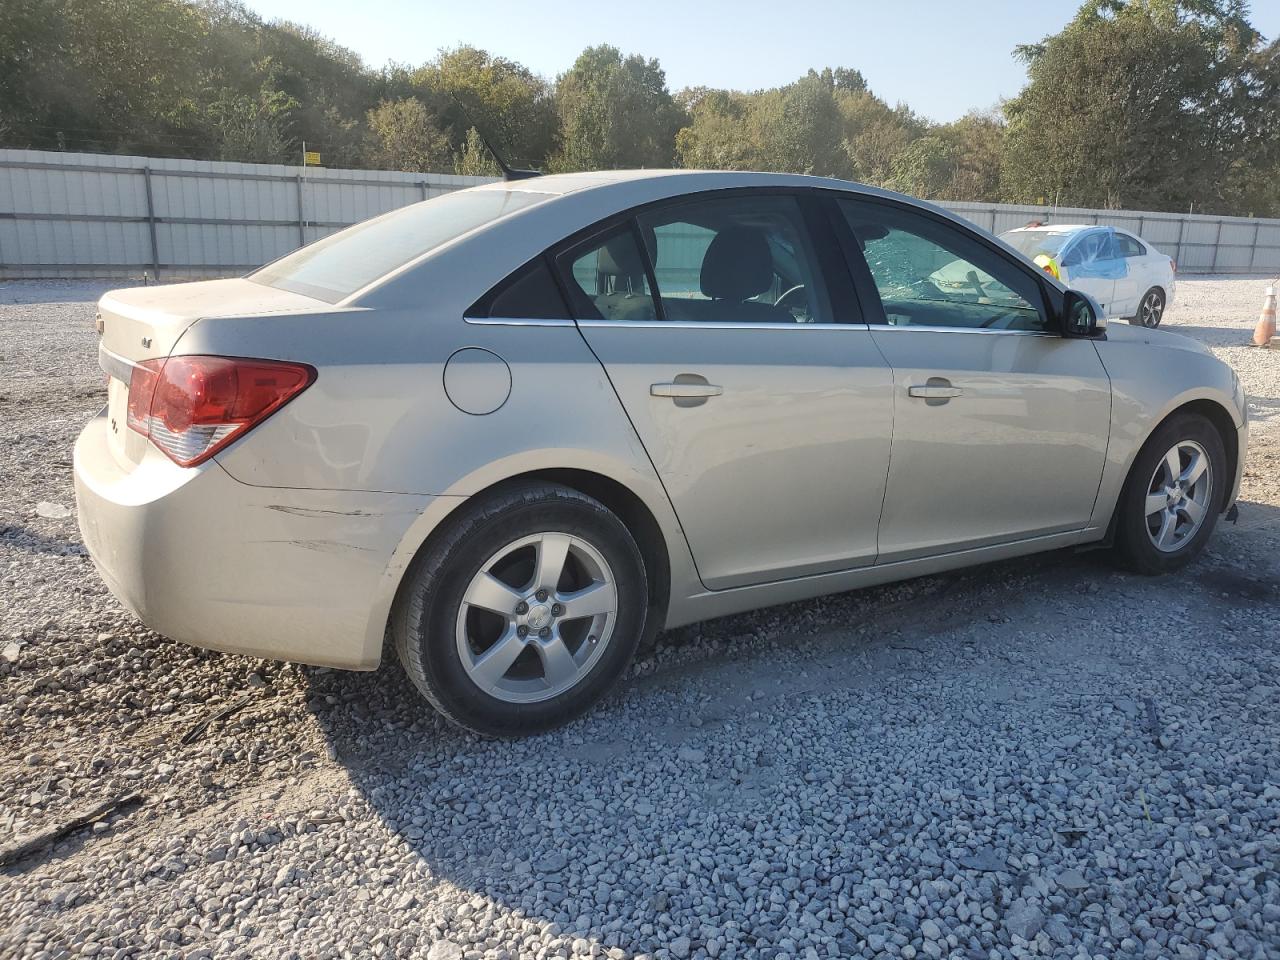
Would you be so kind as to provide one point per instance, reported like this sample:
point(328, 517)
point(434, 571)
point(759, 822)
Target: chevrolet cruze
point(517, 428)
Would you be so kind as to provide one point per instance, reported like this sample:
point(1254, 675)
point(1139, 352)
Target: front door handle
point(685, 390)
point(932, 392)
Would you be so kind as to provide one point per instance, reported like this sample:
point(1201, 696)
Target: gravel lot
point(1044, 758)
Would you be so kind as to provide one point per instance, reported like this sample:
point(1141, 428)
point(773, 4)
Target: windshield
point(340, 264)
point(1032, 243)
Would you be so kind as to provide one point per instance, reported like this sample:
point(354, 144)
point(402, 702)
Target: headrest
point(737, 265)
point(619, 257)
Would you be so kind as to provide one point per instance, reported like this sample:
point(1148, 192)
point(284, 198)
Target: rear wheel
point(524, 611)
point(1150, 309)
point(1173, 496)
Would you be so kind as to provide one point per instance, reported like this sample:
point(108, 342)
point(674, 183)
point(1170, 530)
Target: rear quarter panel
point(378, 417)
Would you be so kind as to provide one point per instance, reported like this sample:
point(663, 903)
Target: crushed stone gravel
point(1045, 758)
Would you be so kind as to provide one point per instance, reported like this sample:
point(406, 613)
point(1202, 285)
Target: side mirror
point(1081, 315)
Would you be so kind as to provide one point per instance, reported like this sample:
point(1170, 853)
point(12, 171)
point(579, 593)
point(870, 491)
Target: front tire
point(1150, 309)
point(1171, 501)
point(524, 611)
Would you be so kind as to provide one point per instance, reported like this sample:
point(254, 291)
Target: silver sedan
point(522, 427)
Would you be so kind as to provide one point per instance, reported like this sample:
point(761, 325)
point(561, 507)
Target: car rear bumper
point(202, 558)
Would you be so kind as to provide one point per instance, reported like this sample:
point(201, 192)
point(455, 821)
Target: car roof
point(564, 183)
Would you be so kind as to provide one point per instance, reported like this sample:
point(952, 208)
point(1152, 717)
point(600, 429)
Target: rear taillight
point(192, 407)
point(1174, 265)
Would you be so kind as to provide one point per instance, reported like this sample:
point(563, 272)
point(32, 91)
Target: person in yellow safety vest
point(1048, 265)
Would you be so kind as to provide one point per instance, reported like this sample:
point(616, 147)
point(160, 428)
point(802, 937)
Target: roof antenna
point(508, 173)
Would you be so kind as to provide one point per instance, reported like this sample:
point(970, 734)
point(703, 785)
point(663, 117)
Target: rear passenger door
point(730, 333)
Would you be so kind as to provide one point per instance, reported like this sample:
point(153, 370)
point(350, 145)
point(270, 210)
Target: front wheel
point(1173, 496)
point(525, 610)
point(1150, 309)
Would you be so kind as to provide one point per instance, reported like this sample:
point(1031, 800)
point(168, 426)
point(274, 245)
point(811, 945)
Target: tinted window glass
point(340, 264)
point(529, 294)
point(930, 273)
point(607, 279)
point(744, 259)
point(1129, 247)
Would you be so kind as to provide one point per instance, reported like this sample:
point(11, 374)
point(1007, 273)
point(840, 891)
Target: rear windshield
point(1032, 243)
point(338, 265)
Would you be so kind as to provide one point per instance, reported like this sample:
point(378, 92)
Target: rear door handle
point(685, 390)
point(934, 392)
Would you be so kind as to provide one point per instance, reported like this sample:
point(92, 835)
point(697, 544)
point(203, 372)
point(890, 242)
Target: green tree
point(795, 128)
point(925, 168)
point(1145, 103)
point(405, 135)
point(798, 128)
point(716, 136)
point(250, 129)
point(874, 135)
point(513, 106)
point(615, 111)
point(976, 143)
point(475, 159)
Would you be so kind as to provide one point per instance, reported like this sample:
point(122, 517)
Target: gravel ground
point(1044, 758)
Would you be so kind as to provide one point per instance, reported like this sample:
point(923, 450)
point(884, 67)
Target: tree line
point(1155, 104)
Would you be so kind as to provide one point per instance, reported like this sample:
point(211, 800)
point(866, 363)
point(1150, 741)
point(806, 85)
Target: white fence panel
point(79, 214)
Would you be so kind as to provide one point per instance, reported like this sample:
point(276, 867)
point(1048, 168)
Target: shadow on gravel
point(818, 747)
point(35, 541)
point(557, 826)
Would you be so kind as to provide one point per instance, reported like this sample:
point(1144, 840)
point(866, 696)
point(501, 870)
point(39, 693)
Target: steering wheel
point(797, 292)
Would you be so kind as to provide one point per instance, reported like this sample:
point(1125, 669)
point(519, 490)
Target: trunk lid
point(145, 323)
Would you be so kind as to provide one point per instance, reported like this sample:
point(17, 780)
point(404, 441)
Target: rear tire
point(524, 611)
point(1166, 517)
point(1150, 309)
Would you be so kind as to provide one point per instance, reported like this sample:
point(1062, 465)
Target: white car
point(1130, 278)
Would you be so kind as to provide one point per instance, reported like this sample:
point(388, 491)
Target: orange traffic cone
point(1266, 328)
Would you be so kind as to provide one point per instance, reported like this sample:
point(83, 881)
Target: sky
point(942, 58)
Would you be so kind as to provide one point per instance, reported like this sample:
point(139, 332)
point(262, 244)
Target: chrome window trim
point(717, 325)
point(927, 328)
point(516, 322)
point(714, 325)
point(114, 365)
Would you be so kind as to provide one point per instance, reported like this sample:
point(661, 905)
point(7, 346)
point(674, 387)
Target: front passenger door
point(1000, 424)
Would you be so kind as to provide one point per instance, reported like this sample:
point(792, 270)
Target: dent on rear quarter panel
point(370, 423)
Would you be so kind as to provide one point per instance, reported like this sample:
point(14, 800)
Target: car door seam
point(1111, 406)
point(648, 456)
point(893, 423)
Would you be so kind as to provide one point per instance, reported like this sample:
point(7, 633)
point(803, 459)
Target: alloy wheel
point(536, 617)
point(1152, 309)
point(1178, 496)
